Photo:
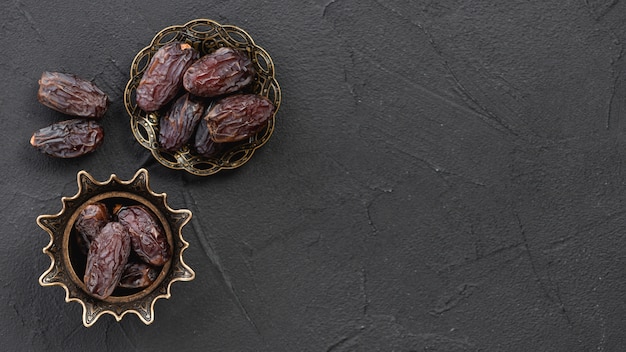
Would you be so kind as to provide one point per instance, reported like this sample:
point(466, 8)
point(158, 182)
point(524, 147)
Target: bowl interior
point(74, 250)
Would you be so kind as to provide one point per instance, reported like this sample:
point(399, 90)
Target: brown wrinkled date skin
point(163, 77)
point(224, 71)
point(68, 139)
point(72, 95)
point(89, 223)
point(178, 124)
point(138, 275)
point(203, 144)
point(147, 236)
point(238, 117)
point(107, 257)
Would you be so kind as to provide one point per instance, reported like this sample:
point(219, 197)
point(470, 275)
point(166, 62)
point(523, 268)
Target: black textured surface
point(444, 176)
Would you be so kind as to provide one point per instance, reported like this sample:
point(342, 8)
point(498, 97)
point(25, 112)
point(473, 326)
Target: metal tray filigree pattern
point(205, 36)
point(63, 272)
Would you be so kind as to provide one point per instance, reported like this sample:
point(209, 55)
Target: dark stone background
point(444, 176)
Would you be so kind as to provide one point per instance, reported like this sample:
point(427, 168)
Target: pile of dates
point(125, 248)
point(201, 98)
point(79, 98)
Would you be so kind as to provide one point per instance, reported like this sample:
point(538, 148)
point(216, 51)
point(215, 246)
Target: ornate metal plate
point(205, 36)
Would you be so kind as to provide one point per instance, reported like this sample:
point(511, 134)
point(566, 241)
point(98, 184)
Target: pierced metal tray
point(205, 36)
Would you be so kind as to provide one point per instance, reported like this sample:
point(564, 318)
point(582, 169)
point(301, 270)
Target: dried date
point(89, 223)
point(203, 144)
point(68, 139)
point(147, 236)
point(164, 75)
point(178, 124)
point(107, 257)
point(238, 117)
point(138, 275)
point(224, 71)
point(72, 95)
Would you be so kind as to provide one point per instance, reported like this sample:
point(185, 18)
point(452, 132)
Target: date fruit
point(68, 139)
point(90, 221)
point(178, 124)
point(72, 95)
point(164, 75)
point(138, 275)
point(238, 117)
point(203, 144)
point(224, 71)
point(107, 257)
point(147, 236)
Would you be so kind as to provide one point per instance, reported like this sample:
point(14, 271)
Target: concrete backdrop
point(444, 176)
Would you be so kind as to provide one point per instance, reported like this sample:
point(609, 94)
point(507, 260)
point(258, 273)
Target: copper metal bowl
point(205, 36)
point(68, 264)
